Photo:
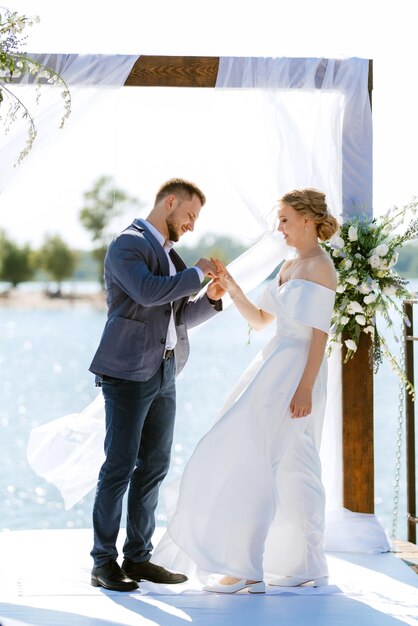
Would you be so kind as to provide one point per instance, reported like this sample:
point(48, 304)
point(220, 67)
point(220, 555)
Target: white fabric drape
point(89, 78)
point(318, 125)
point(311, 125)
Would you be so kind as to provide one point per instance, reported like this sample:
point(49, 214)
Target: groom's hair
point(180, 187)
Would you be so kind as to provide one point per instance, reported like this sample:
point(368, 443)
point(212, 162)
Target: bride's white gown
point(251, 503)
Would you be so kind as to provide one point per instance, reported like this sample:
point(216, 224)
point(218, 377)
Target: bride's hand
point(224, 278)
point(215, 291)
point(301, 403)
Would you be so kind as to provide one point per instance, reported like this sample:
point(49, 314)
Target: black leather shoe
point(153, 573)
point(110, 576)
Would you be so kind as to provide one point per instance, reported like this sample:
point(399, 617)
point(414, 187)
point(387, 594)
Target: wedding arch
point(326, 143)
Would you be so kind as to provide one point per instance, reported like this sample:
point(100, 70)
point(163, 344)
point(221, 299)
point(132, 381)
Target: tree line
point(102, 205)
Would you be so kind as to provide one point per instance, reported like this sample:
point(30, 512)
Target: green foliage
point(220, 246)
point(13, 66)
point(102, 204)
point(365, 253)
point(57, 259)
point(16, 262)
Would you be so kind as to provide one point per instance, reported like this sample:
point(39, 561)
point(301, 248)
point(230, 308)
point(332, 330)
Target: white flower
point(337, 242)
point(354, 307)
point(350, 344)
point(364, 288)
point(352, 279)
point(352, 233)
point(381, 250)
point(389, 290)
point(360, 319)
point(340, 288)
point(369, 329)
point(375, 261)
point(344, 320)
point(393, 260)
point(370, 298)
point(346, 264)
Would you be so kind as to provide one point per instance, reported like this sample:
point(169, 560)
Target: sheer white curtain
point(90, 78)
point(309, 126)
point(317, 133)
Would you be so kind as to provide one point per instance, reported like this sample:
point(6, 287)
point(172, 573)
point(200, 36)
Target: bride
point(251, 502)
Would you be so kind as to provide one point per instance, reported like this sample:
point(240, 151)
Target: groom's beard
point(174, 230)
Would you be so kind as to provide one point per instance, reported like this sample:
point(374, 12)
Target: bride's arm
point(301, 403)
point(256, 317)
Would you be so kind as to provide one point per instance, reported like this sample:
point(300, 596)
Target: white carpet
point(45, 580)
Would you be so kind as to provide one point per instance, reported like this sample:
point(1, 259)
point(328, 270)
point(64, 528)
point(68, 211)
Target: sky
point(34, 201)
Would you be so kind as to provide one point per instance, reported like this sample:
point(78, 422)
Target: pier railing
point(409, 340)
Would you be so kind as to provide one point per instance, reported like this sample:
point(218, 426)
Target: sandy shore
point(15, 299)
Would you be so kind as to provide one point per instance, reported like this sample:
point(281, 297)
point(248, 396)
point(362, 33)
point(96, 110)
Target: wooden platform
point(408, 552)
point(45, 581)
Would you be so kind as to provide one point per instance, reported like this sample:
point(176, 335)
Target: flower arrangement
point(14, 65)
point(365, 252)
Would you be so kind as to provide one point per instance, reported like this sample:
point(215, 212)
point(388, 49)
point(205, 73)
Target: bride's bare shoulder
point(322, 271)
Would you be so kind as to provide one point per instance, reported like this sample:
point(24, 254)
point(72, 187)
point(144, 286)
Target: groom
point(143, 346)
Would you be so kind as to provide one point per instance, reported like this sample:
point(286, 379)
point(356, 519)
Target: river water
point(44, 358)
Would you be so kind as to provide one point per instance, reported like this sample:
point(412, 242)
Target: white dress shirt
point(171, 339)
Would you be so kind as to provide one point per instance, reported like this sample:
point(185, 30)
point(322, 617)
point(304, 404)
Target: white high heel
point(258, 587)
point(296, 581)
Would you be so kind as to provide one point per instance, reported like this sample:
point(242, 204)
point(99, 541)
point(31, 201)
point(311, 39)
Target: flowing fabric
point(310, 123)
point(253, 484)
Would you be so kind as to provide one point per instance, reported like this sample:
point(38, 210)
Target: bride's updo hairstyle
point(311, 203)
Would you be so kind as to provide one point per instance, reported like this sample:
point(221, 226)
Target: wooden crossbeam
point(168, 71)
point(164, 71)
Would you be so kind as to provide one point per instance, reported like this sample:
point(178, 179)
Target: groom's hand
point(208, 267)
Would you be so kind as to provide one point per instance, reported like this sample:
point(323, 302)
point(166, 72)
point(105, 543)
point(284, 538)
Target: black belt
point(167, 354)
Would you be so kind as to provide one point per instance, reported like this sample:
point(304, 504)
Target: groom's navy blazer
point(139, 294)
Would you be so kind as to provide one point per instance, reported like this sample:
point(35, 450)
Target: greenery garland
point(14, 65)
point(365, 252)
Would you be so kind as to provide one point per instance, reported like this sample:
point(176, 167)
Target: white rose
point(354, 307)
point(340, 288)
point(370, 298)
point(364, 288)
point(344, 320)
point(360, 319)
point(368, 329)
point(352, 233)
point(350, 344)
point(390, 290)
point(346, 264)
point(381, 250)
point(353, 280)
point(375, 261)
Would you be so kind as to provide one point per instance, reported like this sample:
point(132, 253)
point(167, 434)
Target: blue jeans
point(139, 433)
